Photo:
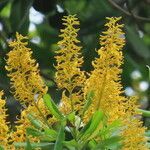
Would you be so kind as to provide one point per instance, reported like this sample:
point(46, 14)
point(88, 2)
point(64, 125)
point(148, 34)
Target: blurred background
point(41, 21)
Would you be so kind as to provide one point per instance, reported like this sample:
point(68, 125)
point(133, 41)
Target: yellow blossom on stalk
point(19, 135)
point(105, 82)
point(133, 132)
point(105, 78)
point(23, 72)
point(3, 127)
point(69, 77)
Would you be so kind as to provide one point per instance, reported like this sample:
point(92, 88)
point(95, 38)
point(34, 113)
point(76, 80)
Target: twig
point(44, 119)
point(128, 13)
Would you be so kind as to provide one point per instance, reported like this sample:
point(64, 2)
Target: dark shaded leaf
point(60, 138)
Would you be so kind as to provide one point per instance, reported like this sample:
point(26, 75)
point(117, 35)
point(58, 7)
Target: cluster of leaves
point(68, 133)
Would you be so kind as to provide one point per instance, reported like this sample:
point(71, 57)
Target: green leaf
point(71, 117)
point(1, 148)
point(34, 132)
point(112, 143)
point(92, 125)
point(52, 107)
point(110, 129)
point(50, 132)
point(28, 147)
point(33, 145)
point(35, 122)
point(72, 145)
point(89, 98)
point(47, 135)
point(148, 70)
point(3, 3)
point(92, 144)
point(60, 138)
point(20, 11)
point(82, 132)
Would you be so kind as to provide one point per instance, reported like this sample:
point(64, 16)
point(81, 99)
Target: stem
point(44, 119)
point(145, 113)
point(148, 70)
point(126, 12)
point(102, 91)
point(70, 97)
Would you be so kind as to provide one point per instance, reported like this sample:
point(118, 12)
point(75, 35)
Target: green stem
point(101, 91)
point(145, 113)
point(44, 119)
point(148, 70)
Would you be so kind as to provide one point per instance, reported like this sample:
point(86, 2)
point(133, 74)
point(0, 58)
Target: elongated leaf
point(60, 138)
point(1, 148)
point(110, 143)
point(20, 11)
point(72, 145)
point(47, 135)
point(28, 147)
point(111, 128)
point(3, 4)
point(34, 132)
point(89, 98)
point(50, 132)
point(52, 106)
point(35, 122)
point(147, 133)
point(148, 71)
point(92, 125)
point(71, 117)
point(92, 144)
point(84, 129)
point(34, 145)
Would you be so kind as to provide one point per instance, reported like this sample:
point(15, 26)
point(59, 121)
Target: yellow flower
point(19, 135)
point(105, 82)
point(3, 127)
point(105, 78)
point(69, 77)
point(133, 130)
point(23, 72)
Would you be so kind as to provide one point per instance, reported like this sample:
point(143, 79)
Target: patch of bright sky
point(136, 74)
point(141, 34)
point(1, 27)
point(59, 8)
point(36, 40)
point(143, 85)
point(35, 17)
point(129, 91)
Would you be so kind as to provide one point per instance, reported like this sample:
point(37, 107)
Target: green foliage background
point(14, 16)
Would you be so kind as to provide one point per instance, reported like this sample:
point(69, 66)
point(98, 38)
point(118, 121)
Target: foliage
point(79, 138)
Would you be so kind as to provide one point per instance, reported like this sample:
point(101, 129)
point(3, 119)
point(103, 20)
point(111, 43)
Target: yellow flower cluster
point(19, 135)
point(105, 78)
point(69, 77)
point(3, 127)
point(23, 72)
point(105, 82)
point(133, 132)
point(29, 88)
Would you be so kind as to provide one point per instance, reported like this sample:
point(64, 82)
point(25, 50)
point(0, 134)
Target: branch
point(128, 13)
